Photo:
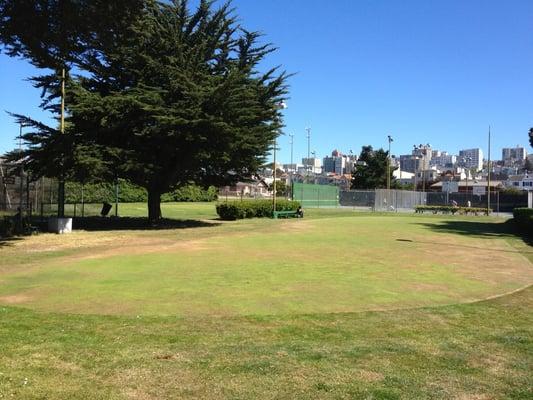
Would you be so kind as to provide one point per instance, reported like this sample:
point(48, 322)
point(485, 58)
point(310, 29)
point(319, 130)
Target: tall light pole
point(415, 158)
point(21, 194)
point(61, 186)
point(467, 164)
point(281, 106)
point(292, 147)
point(488, 178)
point(389, 138)
point(292, 153)
point(313, 153)
point(308, 130)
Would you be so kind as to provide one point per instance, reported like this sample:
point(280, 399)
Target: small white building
point(403, 177)
point(520, 182)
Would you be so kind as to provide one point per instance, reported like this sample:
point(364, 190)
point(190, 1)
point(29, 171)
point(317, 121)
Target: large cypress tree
point(179, 99)
point(165, 96)
point(531, 136)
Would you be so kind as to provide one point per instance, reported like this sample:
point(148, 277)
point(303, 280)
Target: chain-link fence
point(310, 195)
point(400, 200)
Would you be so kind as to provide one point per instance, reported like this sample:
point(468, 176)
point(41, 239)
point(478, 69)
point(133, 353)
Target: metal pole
point(21, 193)
point(388, 164)
point(274, 183)
point(488, 178)
point(116, 197)
point(61, 187)
point(82, 201)
point(290, 175)
point(416, 173)
point(308, 151)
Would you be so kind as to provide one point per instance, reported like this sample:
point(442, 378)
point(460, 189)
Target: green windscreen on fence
point(310, 195)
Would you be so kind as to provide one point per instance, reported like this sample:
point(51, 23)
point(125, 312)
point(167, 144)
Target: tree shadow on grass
point(131, 223)
point(481, 229)
point(9, 241)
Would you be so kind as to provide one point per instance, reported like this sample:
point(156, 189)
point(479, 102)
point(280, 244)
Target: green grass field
point(337, 305)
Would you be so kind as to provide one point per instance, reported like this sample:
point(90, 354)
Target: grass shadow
point(481, 229)
point(132, 223)
point(8, 241)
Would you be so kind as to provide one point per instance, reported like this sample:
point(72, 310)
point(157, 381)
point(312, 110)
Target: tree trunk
point(154, 206)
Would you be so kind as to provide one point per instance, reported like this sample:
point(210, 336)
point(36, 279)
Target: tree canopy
point(371, 170)
point(531, 136)
point(170, 97)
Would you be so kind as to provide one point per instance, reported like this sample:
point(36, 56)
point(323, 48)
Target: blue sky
point(435, 72)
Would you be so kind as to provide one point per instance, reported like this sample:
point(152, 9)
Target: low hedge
point(451, 210)
point(523, 217)
point(253, 209)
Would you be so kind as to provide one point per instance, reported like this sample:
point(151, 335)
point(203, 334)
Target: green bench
point(284, 214)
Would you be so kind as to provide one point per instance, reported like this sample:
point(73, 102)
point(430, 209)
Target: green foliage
point(528, 165)
point(531, 136)
point(512, 191)
point(524, 219)
point(191, 193)
point(451, 210)
point(131, 193)
point(281, 188)
point(373, 173)
point(253, 209)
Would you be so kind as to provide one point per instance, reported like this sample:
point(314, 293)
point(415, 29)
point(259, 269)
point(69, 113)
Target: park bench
point(284, 214)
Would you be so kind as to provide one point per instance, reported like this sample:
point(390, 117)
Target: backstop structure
point(310, 195)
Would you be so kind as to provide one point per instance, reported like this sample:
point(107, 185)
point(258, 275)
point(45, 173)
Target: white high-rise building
point(471, 158)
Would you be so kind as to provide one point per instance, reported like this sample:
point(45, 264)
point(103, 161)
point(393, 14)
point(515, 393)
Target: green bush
point(523, 217)
point(191, 193)
point(451, 210)
point(253, 209)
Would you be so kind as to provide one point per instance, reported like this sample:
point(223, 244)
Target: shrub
point(523, 217)
point(253, 209)
point(191, 193)
point(451, 210)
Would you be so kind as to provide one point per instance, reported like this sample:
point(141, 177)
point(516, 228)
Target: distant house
point(253, 189)
point(472, 186)
point(520, 182)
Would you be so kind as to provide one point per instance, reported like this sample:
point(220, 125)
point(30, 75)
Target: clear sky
point(435, 72)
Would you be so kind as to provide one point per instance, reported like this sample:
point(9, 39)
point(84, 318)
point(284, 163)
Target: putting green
point(259, 267)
